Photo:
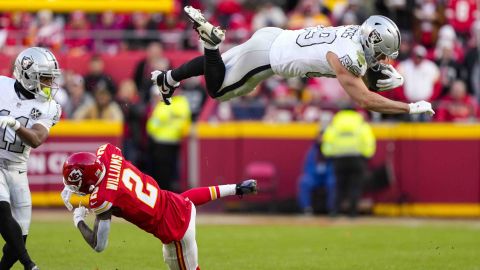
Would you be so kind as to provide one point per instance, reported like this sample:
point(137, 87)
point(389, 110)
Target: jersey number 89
point(316, 35)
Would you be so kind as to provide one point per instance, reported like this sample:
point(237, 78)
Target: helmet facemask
point(380, 39)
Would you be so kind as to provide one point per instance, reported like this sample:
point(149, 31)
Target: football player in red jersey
point(118, 188)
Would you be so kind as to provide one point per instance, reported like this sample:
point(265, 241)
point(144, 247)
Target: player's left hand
point(394, 79)
point(79, 214)
point(9, 121)
point(66, 194)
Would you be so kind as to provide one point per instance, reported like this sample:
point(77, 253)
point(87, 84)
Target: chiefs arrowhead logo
point(26, 63)
point(75, 175)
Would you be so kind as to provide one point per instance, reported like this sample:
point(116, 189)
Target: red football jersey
point(137, 198)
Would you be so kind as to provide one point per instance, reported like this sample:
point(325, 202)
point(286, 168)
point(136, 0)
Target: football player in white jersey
point(27, 112)
point(344, 52)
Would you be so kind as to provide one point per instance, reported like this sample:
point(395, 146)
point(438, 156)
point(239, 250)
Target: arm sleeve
point(102, 234)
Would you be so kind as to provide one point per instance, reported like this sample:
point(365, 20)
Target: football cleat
point(207, 32)
point(246, 187)
point(159, 79)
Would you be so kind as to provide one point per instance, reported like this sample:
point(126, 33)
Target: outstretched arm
point(358, 91)
point(98, 238)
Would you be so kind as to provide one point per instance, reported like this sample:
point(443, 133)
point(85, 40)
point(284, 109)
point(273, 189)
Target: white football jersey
point(28, 112)
point(299, 53)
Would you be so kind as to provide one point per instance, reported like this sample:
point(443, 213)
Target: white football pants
point(183, 254)
point(247, 64)
point(14, 189)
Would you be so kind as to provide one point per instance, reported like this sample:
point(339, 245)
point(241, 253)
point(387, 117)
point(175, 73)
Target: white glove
point(66, 194)
point(158, 89)
point(421, 107)
point(79, 214)
point(9, 121)
point(394, 79)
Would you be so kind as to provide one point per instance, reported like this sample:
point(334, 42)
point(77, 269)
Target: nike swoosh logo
point(20, 172)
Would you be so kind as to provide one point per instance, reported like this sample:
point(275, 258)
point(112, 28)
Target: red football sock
point(202, 195)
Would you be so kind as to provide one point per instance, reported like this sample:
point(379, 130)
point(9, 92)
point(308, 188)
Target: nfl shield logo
point(35, 113)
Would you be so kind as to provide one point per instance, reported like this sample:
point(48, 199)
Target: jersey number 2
point(129, 177)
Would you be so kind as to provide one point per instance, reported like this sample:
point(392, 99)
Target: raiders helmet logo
point(26, 63)
point(75, 175)
point(374, 37)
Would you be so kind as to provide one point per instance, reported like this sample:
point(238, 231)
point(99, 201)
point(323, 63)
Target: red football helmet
point(82, 171)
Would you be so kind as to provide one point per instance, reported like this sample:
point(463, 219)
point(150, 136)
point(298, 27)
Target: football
point(371, 77)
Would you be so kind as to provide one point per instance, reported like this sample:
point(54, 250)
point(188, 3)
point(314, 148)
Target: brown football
point(371, 77)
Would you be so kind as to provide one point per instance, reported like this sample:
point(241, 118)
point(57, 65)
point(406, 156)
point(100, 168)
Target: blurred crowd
point(439, 57)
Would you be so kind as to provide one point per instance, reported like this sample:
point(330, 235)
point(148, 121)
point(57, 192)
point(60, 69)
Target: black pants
point(350, 175)
point(164, 164)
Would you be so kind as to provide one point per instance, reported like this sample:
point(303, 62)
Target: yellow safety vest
point(168, 122)
point(348, 135)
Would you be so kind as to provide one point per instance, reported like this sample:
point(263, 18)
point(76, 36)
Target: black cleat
point(246, 187)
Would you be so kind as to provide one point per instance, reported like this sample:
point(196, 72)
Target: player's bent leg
point(183, 254)
point(247, 64)
point(202, 195)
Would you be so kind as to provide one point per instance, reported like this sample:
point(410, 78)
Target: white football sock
point(170, 80)
point(210, 47)
point(227, 190)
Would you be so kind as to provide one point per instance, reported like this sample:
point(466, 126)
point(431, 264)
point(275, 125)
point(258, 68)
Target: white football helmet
point(380, 38)
point(37, 71)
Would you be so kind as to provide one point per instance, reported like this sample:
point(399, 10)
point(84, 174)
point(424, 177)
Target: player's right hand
point(421, 107)
point(66, 195)
point(9, 121)
point(79, 214)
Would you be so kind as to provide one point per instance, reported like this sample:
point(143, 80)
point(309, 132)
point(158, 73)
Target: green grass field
point(303, 243)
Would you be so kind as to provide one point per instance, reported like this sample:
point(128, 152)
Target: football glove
point(66, 194)
point(79, 214)
point(394, 79)
point(9, 121)
point(421, 107)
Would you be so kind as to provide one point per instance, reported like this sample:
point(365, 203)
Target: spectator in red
point(17, 26)
point(225, 10)
point(108, 32)
point(47, 31)
point(420, 75)
point(461, 14)
point(78, 37)
point(428, 16)
point(457, 105)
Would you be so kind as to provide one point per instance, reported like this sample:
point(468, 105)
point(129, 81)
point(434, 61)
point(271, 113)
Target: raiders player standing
point(27, 112)
point(344, 52)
